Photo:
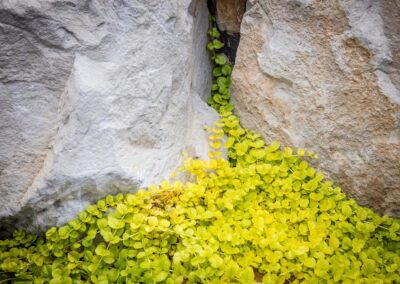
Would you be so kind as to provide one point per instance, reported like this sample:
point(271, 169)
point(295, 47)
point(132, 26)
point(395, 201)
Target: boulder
point(229, 14)
point(325, 76)
point(96, 98)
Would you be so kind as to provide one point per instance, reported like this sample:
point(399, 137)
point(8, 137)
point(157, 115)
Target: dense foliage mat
point(263, 216)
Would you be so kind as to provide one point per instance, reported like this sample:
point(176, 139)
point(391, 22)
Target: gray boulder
point(96, 97)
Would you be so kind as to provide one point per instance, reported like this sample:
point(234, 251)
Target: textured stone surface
point(96, 97)
point(325, 75)
point(230, 14)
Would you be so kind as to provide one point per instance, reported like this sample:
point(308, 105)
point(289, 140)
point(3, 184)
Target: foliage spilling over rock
point(263, 216)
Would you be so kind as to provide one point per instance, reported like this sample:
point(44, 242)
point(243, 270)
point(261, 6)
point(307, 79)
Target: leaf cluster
point(220, 94)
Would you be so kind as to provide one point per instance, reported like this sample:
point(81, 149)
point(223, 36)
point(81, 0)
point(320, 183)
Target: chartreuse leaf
point(217, 72)
point(215, 260)
point(241, 148)
point(213, 32)
point(114, 222)
point(229, 142)
point(316, 196)
point(220, 59)
point(246, 275)
point(309, 262)
point(346, 210)
point(217, 44)
point(226, 70)
point(101, 250)
point(273, 147)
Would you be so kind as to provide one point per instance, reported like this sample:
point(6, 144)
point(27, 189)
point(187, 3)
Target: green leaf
point(164, 223)
point(317, 196)
point(357, 245)
point(273, 147)
point(301, 152)
point(257, 153)
point(109, 259)
point(226, 70)
point(227, 108)
point(229, 143)
point(311, 185)
point(51, 232)
point(101, 204)
point(122, 209)
point(246, 275)
point(334, 242)
point(220, 59)
point(64, 232)
point(222, 81)
point(214, 32)
point(215, 260)
point(309, 262)
point(217, 71)
point(217, 44)
point(160, 276)
point(241, 148)
point(258, 143)
point(114, 222)
point(152, 221)
point(300, 250)
point(322, 268)
point(101, 250)
point(369, 267)
point(346, 210)
point(214, 87)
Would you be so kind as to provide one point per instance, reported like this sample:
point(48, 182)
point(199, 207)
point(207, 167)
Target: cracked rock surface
point(96, 97)
point(325, 75)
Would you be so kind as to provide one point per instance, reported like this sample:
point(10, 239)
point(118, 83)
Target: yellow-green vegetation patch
point(263, 216)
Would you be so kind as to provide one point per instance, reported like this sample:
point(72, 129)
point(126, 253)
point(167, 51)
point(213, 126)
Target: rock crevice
point(229, 16)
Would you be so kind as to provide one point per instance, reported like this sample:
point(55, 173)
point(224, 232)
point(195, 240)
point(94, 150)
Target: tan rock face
point(230, 14)
point(325, 75)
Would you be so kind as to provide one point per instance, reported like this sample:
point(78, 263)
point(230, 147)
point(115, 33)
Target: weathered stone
point(96, 97)
point(230, 14)
point(325, 75)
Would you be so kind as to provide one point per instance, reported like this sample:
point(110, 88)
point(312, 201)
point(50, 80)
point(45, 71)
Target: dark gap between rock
point(229, 14)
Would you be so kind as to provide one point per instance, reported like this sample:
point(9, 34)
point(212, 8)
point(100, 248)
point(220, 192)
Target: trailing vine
point(263, 216)
point(221, 72)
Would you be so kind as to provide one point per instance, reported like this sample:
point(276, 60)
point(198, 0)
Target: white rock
point(96, 97)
